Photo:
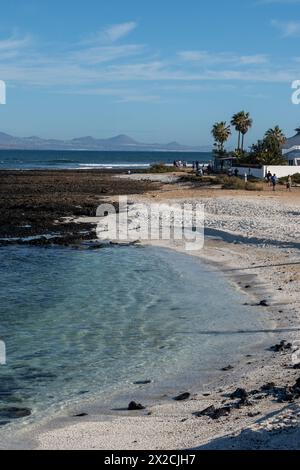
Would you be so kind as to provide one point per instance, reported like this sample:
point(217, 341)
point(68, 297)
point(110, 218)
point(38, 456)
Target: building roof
point(292, 141)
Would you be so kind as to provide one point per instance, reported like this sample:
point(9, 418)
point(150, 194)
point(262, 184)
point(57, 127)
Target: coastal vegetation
point(242, 123)
point(266, 151)
point(295, 179)
point(223, 181)
point(232, 182)
point(221, 133)
point(161, 168)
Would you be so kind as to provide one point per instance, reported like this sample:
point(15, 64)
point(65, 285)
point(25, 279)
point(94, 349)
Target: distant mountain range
point(118, 143)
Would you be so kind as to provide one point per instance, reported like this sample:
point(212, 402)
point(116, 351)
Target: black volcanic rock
point(182, 396)
point(135, 406)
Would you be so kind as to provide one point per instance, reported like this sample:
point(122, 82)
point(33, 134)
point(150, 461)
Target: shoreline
point(267, 422)
point(157, 394)
point(61, 428)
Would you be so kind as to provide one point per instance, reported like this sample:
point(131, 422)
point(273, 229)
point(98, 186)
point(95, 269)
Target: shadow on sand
point(287, 438)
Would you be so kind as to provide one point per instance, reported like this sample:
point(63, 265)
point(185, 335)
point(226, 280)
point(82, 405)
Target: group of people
point(202, 169)
point(234, 172)
point(272, 180)
point(180, 164)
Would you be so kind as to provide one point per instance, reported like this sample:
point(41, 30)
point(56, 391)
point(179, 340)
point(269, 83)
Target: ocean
point(86, 324)
point(55, 159)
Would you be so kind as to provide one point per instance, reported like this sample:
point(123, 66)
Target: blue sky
point(156, 70)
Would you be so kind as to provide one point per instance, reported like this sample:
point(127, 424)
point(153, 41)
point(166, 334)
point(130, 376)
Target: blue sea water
point(88, 323)
point(53, 159)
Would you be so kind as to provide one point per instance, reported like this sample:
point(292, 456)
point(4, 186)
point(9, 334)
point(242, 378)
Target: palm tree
point(236, 121)
point(246, 124)
point(277, 134)
point(221, 133)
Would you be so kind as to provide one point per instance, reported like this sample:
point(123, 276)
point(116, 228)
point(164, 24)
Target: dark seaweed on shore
point(34, 203)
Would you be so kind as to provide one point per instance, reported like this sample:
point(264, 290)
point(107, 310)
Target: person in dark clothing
point(274, 181)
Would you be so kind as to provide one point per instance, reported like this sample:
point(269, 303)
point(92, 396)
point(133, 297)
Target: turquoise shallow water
point(79, 323)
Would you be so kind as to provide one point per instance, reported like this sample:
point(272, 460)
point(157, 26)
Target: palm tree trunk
point(239, 140)
point(243, 135)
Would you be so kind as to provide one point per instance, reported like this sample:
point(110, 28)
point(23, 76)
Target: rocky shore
point(255, 402)
point(34, 205)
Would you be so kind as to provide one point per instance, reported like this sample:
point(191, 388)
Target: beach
point(255, 244)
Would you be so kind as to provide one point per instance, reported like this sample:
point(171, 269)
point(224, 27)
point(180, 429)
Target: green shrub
point(201, 180)
point(295, 179)
point(162, 168)
point(232, 182)
point(250, 186)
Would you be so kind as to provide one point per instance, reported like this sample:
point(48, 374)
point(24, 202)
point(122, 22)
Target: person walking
point(274, 181)
point(289, 183)
point(269, 177)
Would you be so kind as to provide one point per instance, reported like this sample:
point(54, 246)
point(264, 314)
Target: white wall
point(281, 170)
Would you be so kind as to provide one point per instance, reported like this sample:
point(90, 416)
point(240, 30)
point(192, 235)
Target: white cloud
point(118, 31)
point(253, 59)
point(129, 73)
point(193, 56)
point(97, 55)
point(204, 57)
point(287, 28)
point(14, 43)
point(124, 95)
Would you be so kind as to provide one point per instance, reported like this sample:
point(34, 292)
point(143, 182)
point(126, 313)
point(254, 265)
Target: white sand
point(171, 425)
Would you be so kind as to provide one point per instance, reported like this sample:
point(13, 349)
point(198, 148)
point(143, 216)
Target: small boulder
point(239, 393)
point(214, 413)
point(182, 396)
point(135, 406)
point(142, 382)
point(282, 346)
point(229, 367)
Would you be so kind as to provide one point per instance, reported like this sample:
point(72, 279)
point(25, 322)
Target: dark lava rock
point(258, 397)
point(253, 414)
point(263, 303)
point(79, 415)
point(182, 396)
point(283, 394)
point(243, 402)
point(239, 393)
point(214, 413)
point(296, 366)
point(282, 346)
point(267, 387)
point(142, 382)
point(12, 412)
point(135, 406)
point(230, 367)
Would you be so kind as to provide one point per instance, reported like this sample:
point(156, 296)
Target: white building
point(291, 149)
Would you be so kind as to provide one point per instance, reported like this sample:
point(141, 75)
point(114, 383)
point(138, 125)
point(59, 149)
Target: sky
point(159, 70)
